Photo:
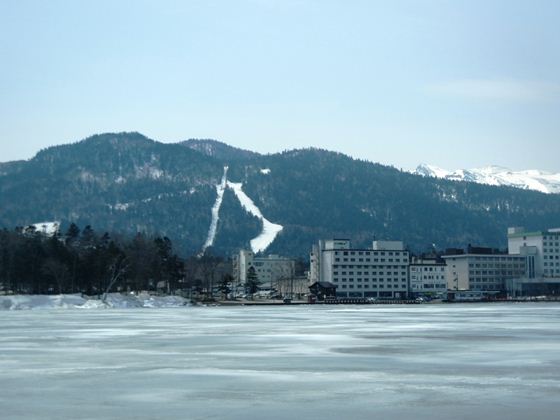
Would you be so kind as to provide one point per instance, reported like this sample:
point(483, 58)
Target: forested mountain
point(219, 150)
point(126, 182)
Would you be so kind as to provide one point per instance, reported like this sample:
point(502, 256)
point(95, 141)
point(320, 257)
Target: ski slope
point(270, 230)
point(220, 189)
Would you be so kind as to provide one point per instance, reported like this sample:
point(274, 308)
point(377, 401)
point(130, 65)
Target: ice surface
point(270, 230)
point(492, 361)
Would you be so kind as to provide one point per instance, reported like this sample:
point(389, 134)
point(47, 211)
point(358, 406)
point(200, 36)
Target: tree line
point(83, 261)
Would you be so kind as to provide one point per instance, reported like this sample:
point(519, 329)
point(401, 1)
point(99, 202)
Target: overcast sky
point(458, 84)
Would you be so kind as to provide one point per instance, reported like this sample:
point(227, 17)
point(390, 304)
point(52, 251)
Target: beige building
point(483, 272)
point(269, 269)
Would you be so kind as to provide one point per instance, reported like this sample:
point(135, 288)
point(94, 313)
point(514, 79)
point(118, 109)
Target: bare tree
point(116, 271)
point(58, 271)
point(208, 266)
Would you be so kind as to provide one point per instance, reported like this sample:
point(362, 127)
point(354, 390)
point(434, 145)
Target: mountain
point(495, 175)
point(221, 198)
point(11, 167)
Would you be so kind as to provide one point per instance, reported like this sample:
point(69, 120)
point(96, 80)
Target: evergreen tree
point(252, 283)
point(225, 285)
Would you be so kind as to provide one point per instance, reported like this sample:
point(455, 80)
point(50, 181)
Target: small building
point(471, 295)
point(427, 277)
point(532, 287)
point(269, 269)
point(323, 290)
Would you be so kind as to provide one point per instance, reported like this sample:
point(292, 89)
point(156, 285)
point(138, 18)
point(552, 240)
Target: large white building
point(380, 271)
point(532, 265)
point(542, 252)
point(543, 246)
point(269, 269)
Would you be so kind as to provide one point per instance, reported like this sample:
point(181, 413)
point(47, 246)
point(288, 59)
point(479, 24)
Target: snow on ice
point(114, 300)
point(328, 362)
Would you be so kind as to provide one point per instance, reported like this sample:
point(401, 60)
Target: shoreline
point(149, 301)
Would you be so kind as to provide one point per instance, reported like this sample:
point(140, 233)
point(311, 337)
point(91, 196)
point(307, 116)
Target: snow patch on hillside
point(220, 189)
point(47, 228)
point(122, 206)
point(270, 230)
point(544, 182)
point(114, 300)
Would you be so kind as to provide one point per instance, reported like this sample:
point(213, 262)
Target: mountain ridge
point(219, 150)
point(126, 182)
point(532, 179)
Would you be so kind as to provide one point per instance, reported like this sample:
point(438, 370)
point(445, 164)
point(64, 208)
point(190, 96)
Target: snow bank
point(40, 301)
point(144, 300)
point(149, 301)
point(270, 230)
point(114, 300)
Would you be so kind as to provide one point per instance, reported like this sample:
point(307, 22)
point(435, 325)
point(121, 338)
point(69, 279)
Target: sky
point(457, 84)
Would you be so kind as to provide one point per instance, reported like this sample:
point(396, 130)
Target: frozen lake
point(493, 361)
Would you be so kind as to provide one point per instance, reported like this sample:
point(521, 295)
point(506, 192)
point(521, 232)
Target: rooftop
point(483, 255)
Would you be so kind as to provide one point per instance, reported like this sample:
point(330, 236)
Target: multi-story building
point(482, 271)
point(269, 269)
point(380, 271)
point(427, 277)
point(544, 246)
point(542, 252)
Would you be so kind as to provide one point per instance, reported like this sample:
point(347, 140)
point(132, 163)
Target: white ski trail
point(270, 230)
point(220, 188)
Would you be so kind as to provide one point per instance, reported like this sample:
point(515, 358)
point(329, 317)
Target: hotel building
point(380, 271)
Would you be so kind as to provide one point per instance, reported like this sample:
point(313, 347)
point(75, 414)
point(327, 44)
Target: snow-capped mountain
point(545, 182)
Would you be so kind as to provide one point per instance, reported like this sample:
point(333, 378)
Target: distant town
point(386, 272)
